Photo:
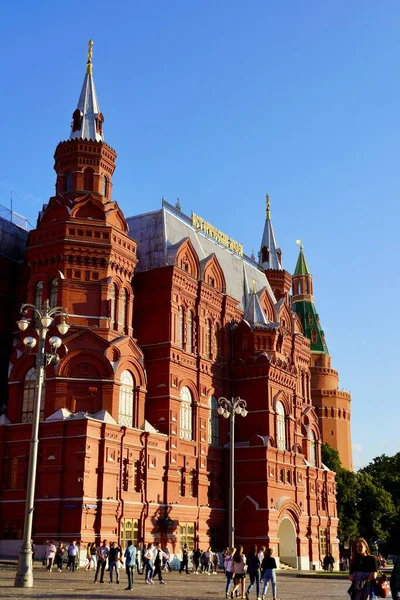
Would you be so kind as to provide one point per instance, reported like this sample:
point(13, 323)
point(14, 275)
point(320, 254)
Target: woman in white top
point(228, 566)
point(239, 572)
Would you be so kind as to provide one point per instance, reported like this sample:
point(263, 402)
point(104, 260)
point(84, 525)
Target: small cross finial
point(89, 58)
point(298, 242)
point(267, 207)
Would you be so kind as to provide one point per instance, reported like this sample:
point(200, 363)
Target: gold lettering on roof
point(216, 234)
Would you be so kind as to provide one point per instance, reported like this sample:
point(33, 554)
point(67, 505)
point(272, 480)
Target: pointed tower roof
point(303, 305)
point(254, 313)
point(87, 121)
point(269, 256)
point(301, 265)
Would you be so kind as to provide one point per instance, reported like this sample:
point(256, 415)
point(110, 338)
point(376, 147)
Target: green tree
point(330, 458)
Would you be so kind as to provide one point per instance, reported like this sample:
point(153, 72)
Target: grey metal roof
point(159, 233)
point(12, 240)
point(268, 241)
point(90, 109)
point(254, 313)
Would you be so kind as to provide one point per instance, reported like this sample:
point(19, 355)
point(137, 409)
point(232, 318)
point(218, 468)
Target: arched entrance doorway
point(287, 543)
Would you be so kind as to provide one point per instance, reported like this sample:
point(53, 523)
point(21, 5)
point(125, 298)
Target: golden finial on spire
point(268, 207)
point(298, 242)
point(254, 286)
point(89, 58)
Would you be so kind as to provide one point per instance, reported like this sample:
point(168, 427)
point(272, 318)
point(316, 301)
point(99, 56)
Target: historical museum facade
point(166, 315)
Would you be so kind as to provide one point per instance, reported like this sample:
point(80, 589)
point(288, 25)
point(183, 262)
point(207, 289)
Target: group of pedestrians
point(259, 565)
point(55, 556)
point(206, 561)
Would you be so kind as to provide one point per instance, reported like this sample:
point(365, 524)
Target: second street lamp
point(43, 318)
point(229, 409)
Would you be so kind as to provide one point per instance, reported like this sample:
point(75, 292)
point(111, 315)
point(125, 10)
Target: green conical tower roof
point(301, 266)
point(303, 305)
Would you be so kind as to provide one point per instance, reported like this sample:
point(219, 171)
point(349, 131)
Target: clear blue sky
point(219, 102)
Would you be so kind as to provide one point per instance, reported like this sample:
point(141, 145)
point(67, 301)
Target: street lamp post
point(229, 409)
point(43, 318)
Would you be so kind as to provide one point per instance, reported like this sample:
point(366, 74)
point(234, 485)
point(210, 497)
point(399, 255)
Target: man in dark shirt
point(113, 559)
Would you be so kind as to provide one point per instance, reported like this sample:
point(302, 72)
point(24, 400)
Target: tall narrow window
point(313, 336)
point(280, 426)
point(39, 294)
point(186, 535)
point(54, 293)
point(125, 411)
point(213, 423)
point(113, 304)
point(68, 181)
point(179, 332)
point(88, 180)
point(122, 307)
point(186, 425)
point(28, 399)
point(312, 459)
point(189, 332)
point(208, 339)
point(104, 186)
point(216, 340)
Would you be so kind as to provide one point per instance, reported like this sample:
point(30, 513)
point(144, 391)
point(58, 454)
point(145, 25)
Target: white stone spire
point(270, 254)
point(87, 120)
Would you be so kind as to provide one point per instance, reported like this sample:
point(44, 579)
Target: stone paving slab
point(64, 585)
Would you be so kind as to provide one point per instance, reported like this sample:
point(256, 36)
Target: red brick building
point(167, 314)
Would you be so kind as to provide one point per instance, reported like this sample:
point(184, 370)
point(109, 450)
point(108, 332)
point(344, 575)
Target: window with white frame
point(28, 400)
point(280, 426)
point(186, 425)
point(125, 412)
point(312, 458)
point(39, 294)
point(113, 304)
point(213, 422)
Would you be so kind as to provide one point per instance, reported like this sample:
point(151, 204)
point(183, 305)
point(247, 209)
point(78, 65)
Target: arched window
point(216, 340)
point(54, 293)
point(88, 180)
point(39, 294)
point(213, 423)
point(180, 332)
point(280, 426)
point(312, 459)
point(313, 336)
point(68, 181)
point(104, 186)
point(189, 332)
point(208, 339)
point(29, 397)
point(125, 411)
point(191, 484)
point(186, 424)
point(122, 307)
point(113, 304)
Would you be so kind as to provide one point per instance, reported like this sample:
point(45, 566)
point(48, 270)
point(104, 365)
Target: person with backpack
point(253, 570)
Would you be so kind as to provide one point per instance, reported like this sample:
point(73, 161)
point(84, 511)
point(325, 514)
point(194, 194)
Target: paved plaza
point(60, 586)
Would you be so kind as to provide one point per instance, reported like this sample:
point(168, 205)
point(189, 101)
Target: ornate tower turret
point(85, 163)
point(270, 258)
point(333, 405)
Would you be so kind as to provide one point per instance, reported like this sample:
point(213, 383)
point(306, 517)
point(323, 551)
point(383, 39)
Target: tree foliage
point(368, 501)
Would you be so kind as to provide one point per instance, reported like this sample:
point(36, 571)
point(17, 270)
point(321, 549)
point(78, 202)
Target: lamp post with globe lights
point(229, 409)
point(43, 318)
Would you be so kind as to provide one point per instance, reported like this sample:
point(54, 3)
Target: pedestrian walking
point(196, 560)
point(239, 574)
point(363, 572)
point(73, 552)
point(92, 557)
point(268, 570)
point(148, 558)
point(228, 567)
point(215, 563)
point(130, 556)
point(114, 556)
point(253, 570)
point(102, 554)
point(185, 560)
point(50, 554)
point(59, 557)
point(158, 561)
point(166, 564)
point(139, 558)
